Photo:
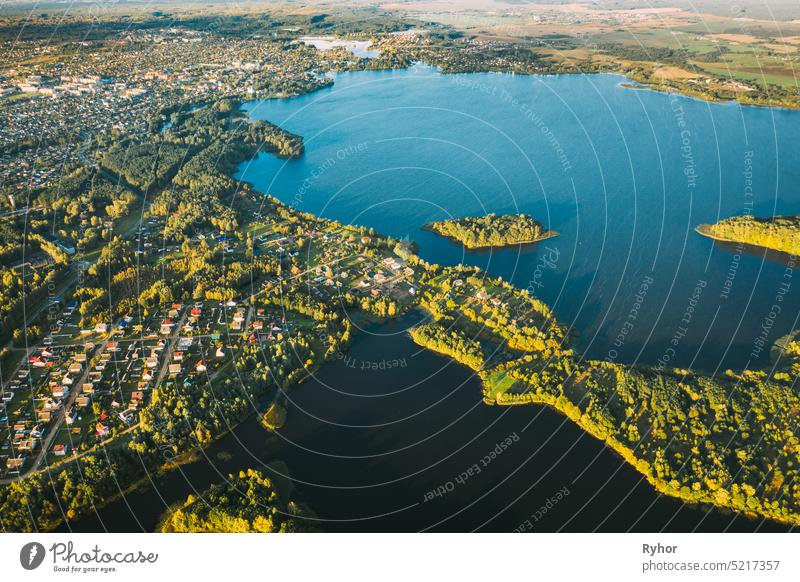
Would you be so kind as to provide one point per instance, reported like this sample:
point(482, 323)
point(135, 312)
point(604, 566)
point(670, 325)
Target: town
point(152, 302)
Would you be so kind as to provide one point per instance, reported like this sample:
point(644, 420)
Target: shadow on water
point(364, 442)
point(776, 257)
point(376, 432)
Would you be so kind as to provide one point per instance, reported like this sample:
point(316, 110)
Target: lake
point(367, 445)
point(624, 175)
point(359, 48)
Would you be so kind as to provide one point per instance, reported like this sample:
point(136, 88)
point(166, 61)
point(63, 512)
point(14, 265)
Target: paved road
point(59, 418)
point(71, 279)
point(170, 347)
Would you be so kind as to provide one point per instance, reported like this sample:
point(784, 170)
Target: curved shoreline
point(662, 487)
point(704, 230)
point(546, 236)
point(625, 452)
point(641, 464)
point(776, 255)
point(628, 455)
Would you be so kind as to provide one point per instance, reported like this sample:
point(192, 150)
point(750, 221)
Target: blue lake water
point(623, 174)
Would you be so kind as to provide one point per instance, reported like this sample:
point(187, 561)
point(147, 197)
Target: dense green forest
point(41, 501)
point(145, 165)
point(492, 230)
point(81, 209)
point(244, 503)
point(729, 440)
point(781, 233)
point(450, 342)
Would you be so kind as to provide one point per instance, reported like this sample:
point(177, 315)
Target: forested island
point(211, 299)
point(245, 503)
point(236, 255)
point(492, 230)
point(780, 233)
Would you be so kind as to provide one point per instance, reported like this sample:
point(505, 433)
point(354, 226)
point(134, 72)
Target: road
point(170, 347)
point(59, 418)
point(73, 277)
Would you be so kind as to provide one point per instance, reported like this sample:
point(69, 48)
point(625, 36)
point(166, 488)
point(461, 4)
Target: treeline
point(41, 501)
point(111, 285)
point(203, 192)
point(519, 320)
point(781, 233)
point(224, 120)
point(245, 503)
point(336, 328)
point(179, 418)
point(729, 442)
point(287, 360)
point(145, 165)
point(76, 209)
point(183, 415)
point(19, 298)
point(492, 230)
point(450, 342)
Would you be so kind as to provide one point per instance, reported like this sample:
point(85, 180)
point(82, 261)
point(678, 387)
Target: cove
point(623, 174)
point(395, 150)
point(366, 446)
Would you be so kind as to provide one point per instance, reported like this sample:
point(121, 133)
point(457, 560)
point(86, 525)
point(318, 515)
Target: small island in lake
point(492, 230)
point(780, 233)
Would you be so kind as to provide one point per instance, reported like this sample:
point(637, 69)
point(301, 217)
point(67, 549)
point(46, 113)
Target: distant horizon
point(362, 266)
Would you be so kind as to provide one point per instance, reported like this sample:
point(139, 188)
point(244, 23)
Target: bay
point(624, 175)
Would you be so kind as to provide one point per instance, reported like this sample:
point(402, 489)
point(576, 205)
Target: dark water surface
point(624, 175)
point(365, 448)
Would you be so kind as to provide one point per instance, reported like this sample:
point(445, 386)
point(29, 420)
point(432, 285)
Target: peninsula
point(151, 302)
point(241, 331)
point(780, 233)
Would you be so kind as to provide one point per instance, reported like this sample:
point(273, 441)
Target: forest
point(780, 233)
point(492, 230)
point(244, 503)
point(729, 441)
point(180, 415)
point(145, 165)
point(438, 337)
